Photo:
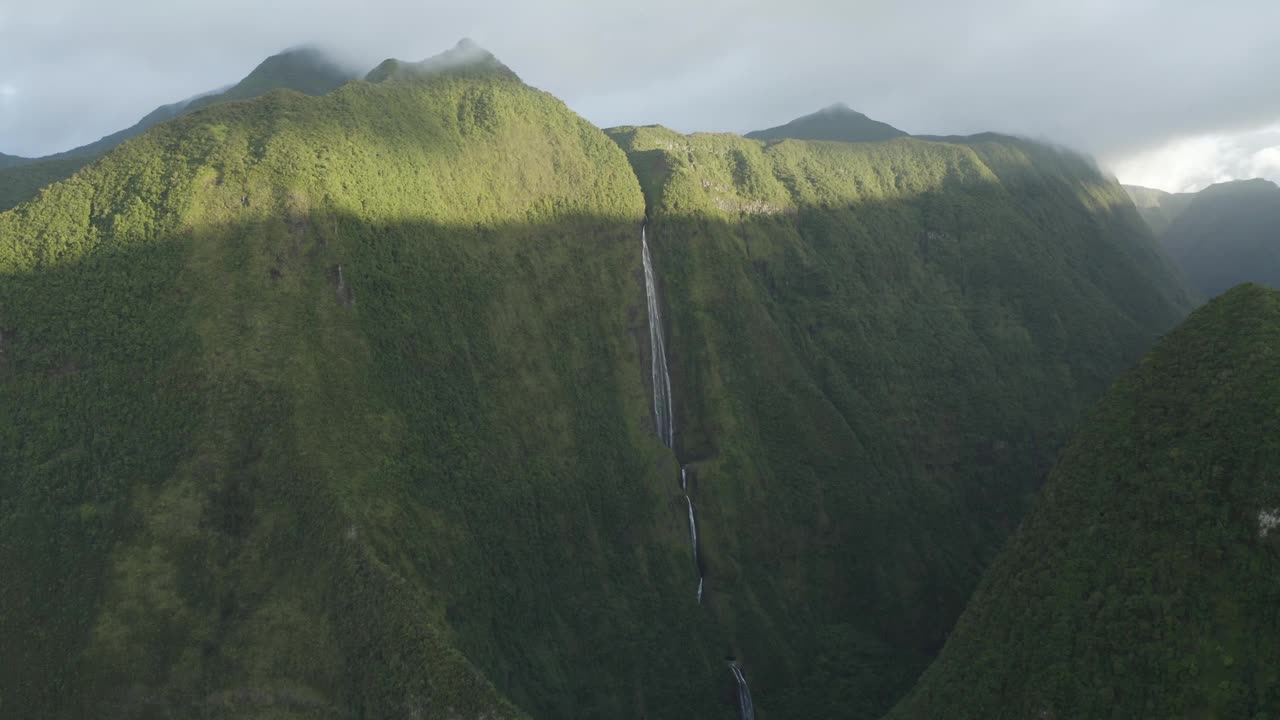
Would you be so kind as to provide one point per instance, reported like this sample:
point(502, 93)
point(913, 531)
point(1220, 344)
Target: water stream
point(665, 422)
point(657, 352)
point(693, 540)
point(746, 709)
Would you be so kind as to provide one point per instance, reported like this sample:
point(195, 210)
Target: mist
point(1131, 83)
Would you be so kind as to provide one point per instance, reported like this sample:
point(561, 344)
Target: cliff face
point(876, 350)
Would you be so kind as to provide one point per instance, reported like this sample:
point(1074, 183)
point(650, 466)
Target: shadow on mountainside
point(232, 484)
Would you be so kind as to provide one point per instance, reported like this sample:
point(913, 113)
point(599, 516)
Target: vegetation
point(336, 406)
point(1146, 581)
point(837, 122)
point(877, 349)
point(1229, 233)
point(12, 160)
point(305, 69)
point(1157, 207)
point(20, 183)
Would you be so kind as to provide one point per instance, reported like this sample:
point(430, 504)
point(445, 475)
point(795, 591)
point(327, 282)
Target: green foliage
point(334, 407)
point(877, 349)
point(20, 183)
point(305, 70)
point(337, 406)
point(1228, 234)
point(1146, 581)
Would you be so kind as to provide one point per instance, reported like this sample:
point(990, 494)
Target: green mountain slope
point(307, 70)
point(837, 122)
point(339, 406)
point(12, 160)
point(1146, 580)
point(876, 350)
point(1158, 208)
point(334, 407)
point(1230, 233)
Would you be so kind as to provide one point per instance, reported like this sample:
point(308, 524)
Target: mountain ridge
point(1228, 233)
point(1158, 208)
point(307, 69)
point(837, 122)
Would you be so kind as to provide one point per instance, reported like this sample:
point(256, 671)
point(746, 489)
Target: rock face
point(1145, 581)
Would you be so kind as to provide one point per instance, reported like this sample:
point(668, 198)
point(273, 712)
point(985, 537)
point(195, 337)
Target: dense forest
point(1146, 581)
point(334, 401)
point(306, 70)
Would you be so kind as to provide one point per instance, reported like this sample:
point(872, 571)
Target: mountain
point(307, 70)
point(876, 349)
point(1158, 208)
point(466, 57)
point(12, 160)
point(357, 405)
point(317, 406)
point(1228, 234)
point(1145, 581)
point(837, 122)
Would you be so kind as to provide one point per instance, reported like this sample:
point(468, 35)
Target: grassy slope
point(306, 70)
point(331, 407)
point(1141, 585)
point(1227, 235)
point(877, 349)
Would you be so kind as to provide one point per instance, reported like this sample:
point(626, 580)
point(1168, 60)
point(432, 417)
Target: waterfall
point(662, 415)
point(746, 710)
point(657, 351)
point(693, 539)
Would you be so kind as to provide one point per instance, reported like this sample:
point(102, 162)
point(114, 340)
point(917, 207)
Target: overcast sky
point(1168, 93)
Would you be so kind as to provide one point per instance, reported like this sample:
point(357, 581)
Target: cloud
point(1191, 163)
point(1111, 78)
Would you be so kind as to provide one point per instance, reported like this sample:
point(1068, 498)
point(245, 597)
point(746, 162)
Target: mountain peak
point(840, 108)
point(1249, 186)
point(466, 56)
point(837, 122)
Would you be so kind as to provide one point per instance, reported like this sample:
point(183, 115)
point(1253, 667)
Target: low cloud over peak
point(1120, 80)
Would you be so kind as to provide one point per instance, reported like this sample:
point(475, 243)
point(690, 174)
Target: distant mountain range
point(1158, 208)
point(1224, 235)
